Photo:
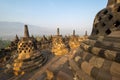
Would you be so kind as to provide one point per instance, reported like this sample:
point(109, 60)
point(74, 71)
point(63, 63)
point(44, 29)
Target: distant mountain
point(9, 29)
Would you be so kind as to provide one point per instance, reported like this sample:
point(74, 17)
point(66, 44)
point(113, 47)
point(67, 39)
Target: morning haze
point(44, 16)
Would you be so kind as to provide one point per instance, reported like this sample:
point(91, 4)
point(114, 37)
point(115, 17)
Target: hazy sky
point(67, 14)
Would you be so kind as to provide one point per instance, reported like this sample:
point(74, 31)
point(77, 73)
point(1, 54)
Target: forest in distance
point(4, 43)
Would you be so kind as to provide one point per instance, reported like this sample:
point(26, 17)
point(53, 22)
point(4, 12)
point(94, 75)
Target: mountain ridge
point(10, 29)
